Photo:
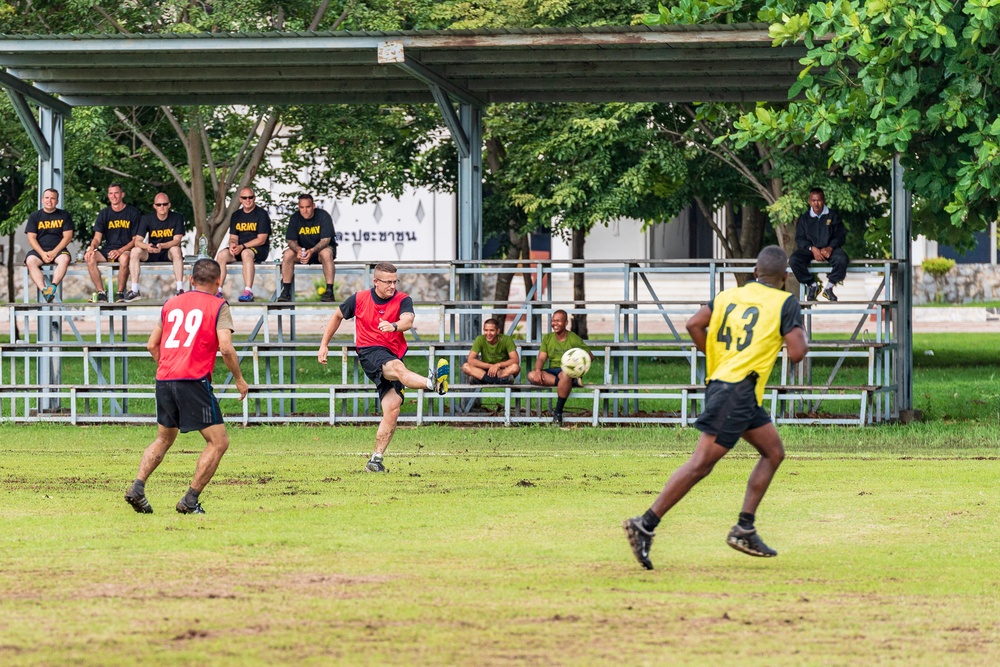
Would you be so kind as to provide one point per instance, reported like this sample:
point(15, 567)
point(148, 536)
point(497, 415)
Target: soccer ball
point(575, 362)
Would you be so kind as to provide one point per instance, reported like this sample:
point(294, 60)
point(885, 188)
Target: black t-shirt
point(246, 226)
point(49, 227)
point(310, 232)
point(160, 231)
point(351, 303)
point(117, 227)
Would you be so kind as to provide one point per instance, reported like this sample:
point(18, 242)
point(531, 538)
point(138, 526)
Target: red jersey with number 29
point(189, 341)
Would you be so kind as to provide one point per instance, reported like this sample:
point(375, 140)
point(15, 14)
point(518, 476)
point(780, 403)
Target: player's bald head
point(772, 263)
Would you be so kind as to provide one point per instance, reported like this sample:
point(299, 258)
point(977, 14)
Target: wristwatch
point(395, 326)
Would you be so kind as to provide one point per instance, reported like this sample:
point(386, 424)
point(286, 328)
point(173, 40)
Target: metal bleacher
point(82, 362)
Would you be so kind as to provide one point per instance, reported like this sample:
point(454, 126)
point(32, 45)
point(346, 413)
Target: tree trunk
point(579, 285)
point(751, 237)
point(198, 203)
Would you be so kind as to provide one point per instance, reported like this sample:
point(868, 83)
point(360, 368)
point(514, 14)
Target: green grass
point(496, 547)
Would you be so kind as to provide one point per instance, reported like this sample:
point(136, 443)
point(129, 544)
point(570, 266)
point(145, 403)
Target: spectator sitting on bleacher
point(49, 231)
point(493, 359)
point(249, 241)
point(113, 231)
point(554, 345)
point(310, 241)
point(819, 237)
point(165, 229)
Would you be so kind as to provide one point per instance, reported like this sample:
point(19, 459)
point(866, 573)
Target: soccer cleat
point(328, 297)
point(557, 418)
point(49, 293)
point(138, 501)
point(640, 539)
point(132, 295)
point(375, 465)
point(812, 291)
point(748, 541)
point(246, 297)
point(284, 297)
point(184, 508)
point(828, 294)
point(441, 377)
point(100, 296)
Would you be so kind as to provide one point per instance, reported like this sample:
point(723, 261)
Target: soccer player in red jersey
point(381, 316)
point(193, 326)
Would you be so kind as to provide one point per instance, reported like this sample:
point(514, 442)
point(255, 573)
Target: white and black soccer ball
point(575, 362)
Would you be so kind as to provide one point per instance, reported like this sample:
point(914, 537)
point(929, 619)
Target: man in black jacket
point(819, 236)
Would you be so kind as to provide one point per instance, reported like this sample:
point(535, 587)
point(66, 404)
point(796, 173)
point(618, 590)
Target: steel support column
point(50, 175)
point(470, 213)
point(902, 317)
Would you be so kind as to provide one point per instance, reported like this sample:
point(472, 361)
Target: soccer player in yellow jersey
point(741, 332)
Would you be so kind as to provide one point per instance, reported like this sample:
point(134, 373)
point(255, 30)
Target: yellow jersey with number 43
point(746, 332)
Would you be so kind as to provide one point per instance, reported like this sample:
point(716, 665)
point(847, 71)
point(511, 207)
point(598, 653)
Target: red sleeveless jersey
point(367, 314)
point(189, 341)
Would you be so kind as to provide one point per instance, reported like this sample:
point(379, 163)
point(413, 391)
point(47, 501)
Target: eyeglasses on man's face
point(386, 282)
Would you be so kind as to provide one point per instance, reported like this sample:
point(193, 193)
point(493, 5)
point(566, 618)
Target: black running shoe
point(828, 294)
point(375, 465)
point(284, 297)
point(812, 291)
point(639, 539)
point(557, 418)
point(748, 541)
point(184, 508)
point(328, 297)
point(138, 501)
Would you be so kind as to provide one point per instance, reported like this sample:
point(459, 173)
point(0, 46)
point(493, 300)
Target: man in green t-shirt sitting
point(554, 345)
point(493, 359)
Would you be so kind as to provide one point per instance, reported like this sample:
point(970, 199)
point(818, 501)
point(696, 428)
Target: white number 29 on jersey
point(191, 324)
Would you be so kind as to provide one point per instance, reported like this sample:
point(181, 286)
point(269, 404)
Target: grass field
point(498, 547)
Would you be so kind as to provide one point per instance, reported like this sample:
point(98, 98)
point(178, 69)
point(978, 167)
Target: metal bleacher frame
point(31, 387)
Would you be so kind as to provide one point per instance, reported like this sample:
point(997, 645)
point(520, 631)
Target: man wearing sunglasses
point(165, 230)
point(381, 315)
point(249, 241)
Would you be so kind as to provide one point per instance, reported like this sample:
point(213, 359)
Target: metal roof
point(602, 64)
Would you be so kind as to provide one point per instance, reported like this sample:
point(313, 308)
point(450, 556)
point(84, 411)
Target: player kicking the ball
point(381, 316)
point(192, 328)
point(741, 332)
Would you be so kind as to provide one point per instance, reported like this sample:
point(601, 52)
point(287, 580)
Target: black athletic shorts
point(158, 257)
point(188, 405)
point(315, 258)
point(104, 249)
point(730, 410)
point(32, 253)
point(556, 371)
point(372, 359)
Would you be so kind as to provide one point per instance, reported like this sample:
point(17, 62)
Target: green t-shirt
point(493, 354)
point(555, 349)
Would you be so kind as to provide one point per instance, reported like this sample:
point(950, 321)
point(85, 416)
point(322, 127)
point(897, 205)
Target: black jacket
point(826, 230)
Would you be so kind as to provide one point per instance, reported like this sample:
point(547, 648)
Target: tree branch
point(157, 152)
point(237, 164)
point(714, 225)
point(209, 158)
point(177, 127)
point(340, 19)
point(738, 165)
point(319, 15)
point(117, 26)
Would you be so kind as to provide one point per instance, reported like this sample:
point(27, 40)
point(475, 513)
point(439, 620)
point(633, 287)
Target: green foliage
point(937, 266)
point(915, 78)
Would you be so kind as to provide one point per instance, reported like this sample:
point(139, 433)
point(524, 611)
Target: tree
point(915, 78)
point(765, 180)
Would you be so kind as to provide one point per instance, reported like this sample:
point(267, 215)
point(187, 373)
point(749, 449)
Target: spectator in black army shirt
point(165, 230)
point(249, 240)
point(310, 241)
point(49, 231)
point(113, 231)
